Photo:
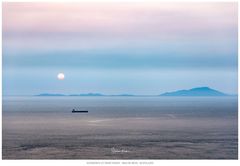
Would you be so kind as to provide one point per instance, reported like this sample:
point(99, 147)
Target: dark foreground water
point(120, 128)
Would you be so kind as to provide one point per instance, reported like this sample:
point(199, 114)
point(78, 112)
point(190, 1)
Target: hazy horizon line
point(99, 94)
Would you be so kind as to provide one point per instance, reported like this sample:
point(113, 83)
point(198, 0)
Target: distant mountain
point(200, 91)
point(50, 94)
point(84, 94)
point(122, 95)
point(87, 94)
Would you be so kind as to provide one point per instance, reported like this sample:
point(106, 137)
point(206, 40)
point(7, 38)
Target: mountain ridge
point(83, 94)
point(198, 91)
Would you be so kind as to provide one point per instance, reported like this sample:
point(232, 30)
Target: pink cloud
point(113, 22)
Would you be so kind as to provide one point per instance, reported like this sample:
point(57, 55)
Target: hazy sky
point(112, 48)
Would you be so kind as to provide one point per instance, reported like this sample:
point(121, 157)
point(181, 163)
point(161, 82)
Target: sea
point(120, 127)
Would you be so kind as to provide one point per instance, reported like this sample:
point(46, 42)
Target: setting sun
point(60, 76)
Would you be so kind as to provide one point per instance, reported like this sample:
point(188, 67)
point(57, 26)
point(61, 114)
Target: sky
point(115, 48)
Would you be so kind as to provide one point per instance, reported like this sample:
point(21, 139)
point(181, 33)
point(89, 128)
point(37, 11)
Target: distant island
point(87, 94)
point(50, 94)
point(84, 94)
point(200, 91)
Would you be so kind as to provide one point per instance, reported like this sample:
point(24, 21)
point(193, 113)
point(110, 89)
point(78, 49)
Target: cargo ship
point(79, 111)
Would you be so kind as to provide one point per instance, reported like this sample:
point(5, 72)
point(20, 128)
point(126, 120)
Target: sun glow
point(60, 76)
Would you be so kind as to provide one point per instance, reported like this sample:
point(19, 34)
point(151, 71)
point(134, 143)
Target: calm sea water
point(120, 128)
